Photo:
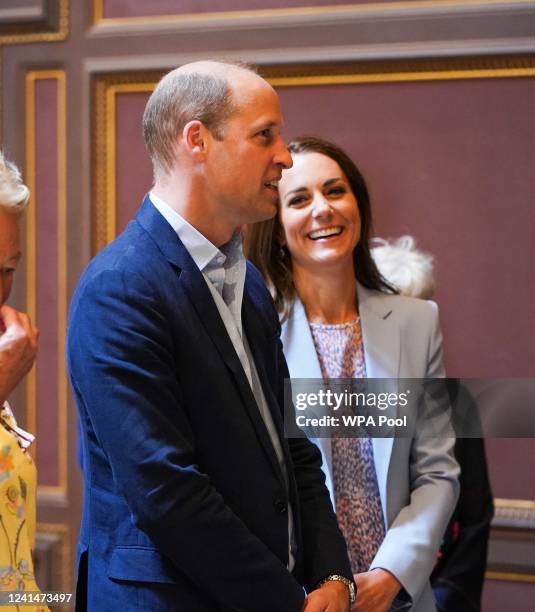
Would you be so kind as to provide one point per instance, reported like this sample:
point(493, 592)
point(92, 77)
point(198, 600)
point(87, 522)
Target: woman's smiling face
point(318, 212)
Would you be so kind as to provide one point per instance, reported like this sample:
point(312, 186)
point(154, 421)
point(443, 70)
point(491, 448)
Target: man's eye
point(267, 134)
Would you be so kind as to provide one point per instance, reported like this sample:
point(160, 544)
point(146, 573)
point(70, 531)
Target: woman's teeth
point(325, 233)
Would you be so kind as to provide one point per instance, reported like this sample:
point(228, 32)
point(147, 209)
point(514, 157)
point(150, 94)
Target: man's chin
point(265, 212)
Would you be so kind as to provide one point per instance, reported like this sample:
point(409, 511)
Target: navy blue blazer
point(185, 504)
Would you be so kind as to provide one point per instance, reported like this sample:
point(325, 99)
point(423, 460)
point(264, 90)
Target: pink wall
point(133, 169)
point(45, 201)
point(500, 596)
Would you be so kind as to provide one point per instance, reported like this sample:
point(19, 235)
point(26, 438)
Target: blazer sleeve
point(409, 550)
point(126, 377)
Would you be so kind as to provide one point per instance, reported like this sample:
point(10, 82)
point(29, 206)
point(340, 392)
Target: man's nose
point(283, 157)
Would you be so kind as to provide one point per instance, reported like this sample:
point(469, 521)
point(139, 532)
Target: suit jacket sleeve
point(124, 370)
point(410, 547)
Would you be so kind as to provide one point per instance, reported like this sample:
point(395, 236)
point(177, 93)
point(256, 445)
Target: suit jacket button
point(280, 506)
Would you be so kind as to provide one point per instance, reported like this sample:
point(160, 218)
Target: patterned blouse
point(18, 481)
point(358, 504)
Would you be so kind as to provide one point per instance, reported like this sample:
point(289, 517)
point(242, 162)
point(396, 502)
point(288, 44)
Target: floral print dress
point(18, 481)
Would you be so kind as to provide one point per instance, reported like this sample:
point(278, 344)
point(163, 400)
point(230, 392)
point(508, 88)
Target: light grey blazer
point(418, 477)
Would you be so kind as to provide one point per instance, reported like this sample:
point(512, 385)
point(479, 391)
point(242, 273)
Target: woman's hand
point(376, 591)
point(18, 347)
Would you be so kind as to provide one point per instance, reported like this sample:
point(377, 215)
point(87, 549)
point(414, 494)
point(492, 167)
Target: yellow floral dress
point(18, 482)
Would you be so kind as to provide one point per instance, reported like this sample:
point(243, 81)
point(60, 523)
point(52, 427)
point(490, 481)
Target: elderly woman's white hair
point(14, 194)
point(405, 267)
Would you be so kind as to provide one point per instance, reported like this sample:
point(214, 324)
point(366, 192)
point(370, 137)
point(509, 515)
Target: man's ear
point(194, 139)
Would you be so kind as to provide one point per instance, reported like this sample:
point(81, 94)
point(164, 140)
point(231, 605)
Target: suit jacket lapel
point(192, 281)
point(256, 340)
point(194, 284)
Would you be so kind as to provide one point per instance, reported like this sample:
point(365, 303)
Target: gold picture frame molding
point(60, 34)
point(60, 490)
point(509, 576)
point(304, 11)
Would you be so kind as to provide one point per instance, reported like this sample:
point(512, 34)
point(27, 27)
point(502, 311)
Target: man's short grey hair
point(404, 267)
point(181, 97)
point(14, 194)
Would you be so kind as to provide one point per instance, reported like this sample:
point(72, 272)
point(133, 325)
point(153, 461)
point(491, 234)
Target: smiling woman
point(341, 319)
point(323, 183)
point(320, 216)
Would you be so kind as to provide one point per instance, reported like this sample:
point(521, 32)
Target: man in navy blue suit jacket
point(194, 500)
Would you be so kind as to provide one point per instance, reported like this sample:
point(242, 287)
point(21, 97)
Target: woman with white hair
point(18, 346)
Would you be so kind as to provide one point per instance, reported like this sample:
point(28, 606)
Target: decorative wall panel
point(312, 32)
point(46, 271)
point(131, 10)
point(123, 172)
point(33, 21)
point(121, 9)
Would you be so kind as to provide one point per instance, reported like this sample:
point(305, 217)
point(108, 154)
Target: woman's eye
point(296, 201)
point(337, 191)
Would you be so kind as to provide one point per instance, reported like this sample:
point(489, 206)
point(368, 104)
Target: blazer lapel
point(381, 340)
point(256, 341)
point(192, 280)
point(380, 335)
point(195, 286)
point(298, 344)
point(303, 362)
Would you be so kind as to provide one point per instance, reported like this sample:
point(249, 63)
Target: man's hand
point(18, 347)
point(376, 591)
point(330, 597)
